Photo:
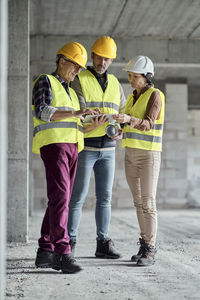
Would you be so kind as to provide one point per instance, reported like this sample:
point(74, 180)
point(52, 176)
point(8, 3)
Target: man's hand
point(98, 111)
point(95, 122)
point(63, 114)
point(122, 118)
point(83, 112)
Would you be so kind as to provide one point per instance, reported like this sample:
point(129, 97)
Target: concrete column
point(172, 187)
point(193, 173)
point(18, 121)
point(3, 139)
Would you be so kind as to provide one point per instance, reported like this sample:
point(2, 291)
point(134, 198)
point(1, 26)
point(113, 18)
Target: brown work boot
point(148, 256)
point(135, 257)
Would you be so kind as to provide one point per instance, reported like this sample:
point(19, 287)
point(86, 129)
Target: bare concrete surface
point(176, 274)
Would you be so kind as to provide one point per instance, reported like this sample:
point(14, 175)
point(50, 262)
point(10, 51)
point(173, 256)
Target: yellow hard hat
point(105, 46)
point(75, 52)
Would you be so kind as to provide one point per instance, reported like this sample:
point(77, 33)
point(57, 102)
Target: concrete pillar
point(172, 187)
point(193, 173)
point(3, 139)
point(18, 121)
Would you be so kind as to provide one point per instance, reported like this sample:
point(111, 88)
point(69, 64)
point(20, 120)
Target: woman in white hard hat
point(142, 140)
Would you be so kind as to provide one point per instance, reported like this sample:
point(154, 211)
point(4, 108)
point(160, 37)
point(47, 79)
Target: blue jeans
point(103, 164)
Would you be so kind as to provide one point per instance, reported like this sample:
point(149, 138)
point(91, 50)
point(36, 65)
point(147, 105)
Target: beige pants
point(142, 171)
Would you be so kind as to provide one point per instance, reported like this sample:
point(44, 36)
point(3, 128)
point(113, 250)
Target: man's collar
point(91, 69)
point(59, 78)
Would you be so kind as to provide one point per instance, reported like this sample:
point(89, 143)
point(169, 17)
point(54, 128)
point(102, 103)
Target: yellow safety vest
point(108, 102)
point(67, 130)
point(146, 140)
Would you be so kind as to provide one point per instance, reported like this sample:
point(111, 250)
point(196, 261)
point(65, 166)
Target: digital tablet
point(89, 117)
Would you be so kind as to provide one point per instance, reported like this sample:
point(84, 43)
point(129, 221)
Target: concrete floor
point(176, 274)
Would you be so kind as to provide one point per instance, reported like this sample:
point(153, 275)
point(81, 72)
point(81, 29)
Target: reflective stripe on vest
point(147, 140)
point(142, 137)
point(68, 130)
point(102, 104)
point(157, 126)
point(56, 125)
point(108, 101)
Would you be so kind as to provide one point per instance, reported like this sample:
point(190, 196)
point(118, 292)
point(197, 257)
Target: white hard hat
point(140, 64)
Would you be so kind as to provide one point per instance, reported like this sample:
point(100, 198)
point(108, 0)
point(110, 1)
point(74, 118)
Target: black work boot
point(43, 258)
point(66, 263)
point(135, 257)
point(148, 256)
point(105, 249)
point(72, 245)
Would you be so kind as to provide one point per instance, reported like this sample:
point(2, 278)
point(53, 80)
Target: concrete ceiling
point(165, 19)
point(168, 31)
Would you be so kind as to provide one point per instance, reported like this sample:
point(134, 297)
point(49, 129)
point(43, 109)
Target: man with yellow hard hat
point(58, 137)
point(96, 89)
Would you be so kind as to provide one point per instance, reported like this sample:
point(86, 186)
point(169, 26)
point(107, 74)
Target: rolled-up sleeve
point(152, 113)
point(47, 113)
point(42, 99)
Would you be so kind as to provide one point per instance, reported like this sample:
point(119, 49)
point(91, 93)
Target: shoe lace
point(109, 243)
point(140, 242)
point(72, 243)
point(147, 250)
point(69, 258)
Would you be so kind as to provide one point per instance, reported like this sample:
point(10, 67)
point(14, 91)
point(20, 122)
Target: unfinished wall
point(193, 145)
point(18, 120)
point(172, 188)
point(3, 141)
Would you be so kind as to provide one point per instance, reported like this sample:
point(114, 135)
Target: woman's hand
point(122, 118)
point(118, 137)
point(133, 122)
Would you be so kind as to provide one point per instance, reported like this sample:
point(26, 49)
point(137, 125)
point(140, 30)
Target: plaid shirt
point(43, 97)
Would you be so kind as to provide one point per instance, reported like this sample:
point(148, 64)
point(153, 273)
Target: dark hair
point(58, 56)
point(149, 78)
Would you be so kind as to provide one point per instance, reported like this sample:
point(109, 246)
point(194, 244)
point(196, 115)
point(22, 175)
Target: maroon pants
point(60, 161)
